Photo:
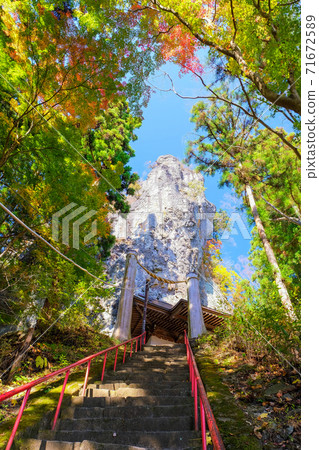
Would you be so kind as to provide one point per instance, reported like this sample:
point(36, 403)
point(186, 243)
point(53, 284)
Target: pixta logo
point(66, 224)
point(236, 219)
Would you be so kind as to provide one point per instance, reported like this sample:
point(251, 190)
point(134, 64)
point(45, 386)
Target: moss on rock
point(231, 420)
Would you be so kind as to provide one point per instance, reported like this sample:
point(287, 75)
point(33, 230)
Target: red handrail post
point(190, 366)
point(131, 348)
point(136, 344)
point(196, 406)
point(141, 343)
point(60, 399)
point(16, 424)
point(193, 379)
point(103, 369)
point(124, 354)
point(203, 425)
point(117, 349)
point(86, 376)
point(206, 414)
point(144, 337)
point(65, 370)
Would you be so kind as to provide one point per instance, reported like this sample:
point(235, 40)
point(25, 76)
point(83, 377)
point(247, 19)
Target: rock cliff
point(168, 224)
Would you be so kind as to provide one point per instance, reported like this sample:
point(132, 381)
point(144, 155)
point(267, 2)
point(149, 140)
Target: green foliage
point(214, 269)
point(232, 422)
point(231, 144)
point(234, 146)
point(204, 339)
point(19, 379)
point(221, 223)
point(63, 360)
point(65, 341)
point(108, 145)
point(65, 133)
point(41, 363)
point(195, 190)
point(64, 120)
point(259, 327)
point(258, 41)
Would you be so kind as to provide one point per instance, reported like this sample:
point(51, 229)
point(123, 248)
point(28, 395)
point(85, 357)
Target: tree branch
point(234, 52)
point(284, 216)
point(278, 133)
point(233, 18)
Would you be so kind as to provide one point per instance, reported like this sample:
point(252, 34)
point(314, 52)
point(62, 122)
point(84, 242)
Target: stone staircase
point(145, 404)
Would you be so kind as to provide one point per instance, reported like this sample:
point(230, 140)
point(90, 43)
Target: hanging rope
point(162, 280)
point(35, 234)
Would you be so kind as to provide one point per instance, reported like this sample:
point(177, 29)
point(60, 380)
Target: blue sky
point(165, 130)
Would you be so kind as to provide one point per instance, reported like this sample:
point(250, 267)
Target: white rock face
point(168, 225)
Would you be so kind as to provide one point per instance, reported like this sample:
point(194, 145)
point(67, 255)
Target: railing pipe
point(16, 424)
point(47, 377)
point(60, 399)
point(86, 377)
point(124, 354)
point(196, 406)
point(192, 370)
point(205, 409)
point(115, 360)
point(27, 387)
point(203, 425)
point(103, 369)
point(131, 348)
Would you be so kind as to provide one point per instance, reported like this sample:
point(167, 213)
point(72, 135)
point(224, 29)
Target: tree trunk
point(20, 354)
point(285, 299)
point(23, 350)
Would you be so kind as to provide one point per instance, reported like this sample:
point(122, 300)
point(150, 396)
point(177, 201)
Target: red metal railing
point(27, 387)
point(206, 414)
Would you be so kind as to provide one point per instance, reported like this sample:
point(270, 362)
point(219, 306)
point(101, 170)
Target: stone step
point(145, 377)
point(141, 385)
point(150, 359)
point(123, 425)
point(103, 402)
point(172, 354)
point(142, 356)
point(150, 363)
point(148, 349)
point(90, 445)
point(128, 392)
point(171, 440)
point(39, 444)
point(83, 412)
point(116, 377)
point(172, 347)
point(142, 369)
point(141, 365)
point(145, 404)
